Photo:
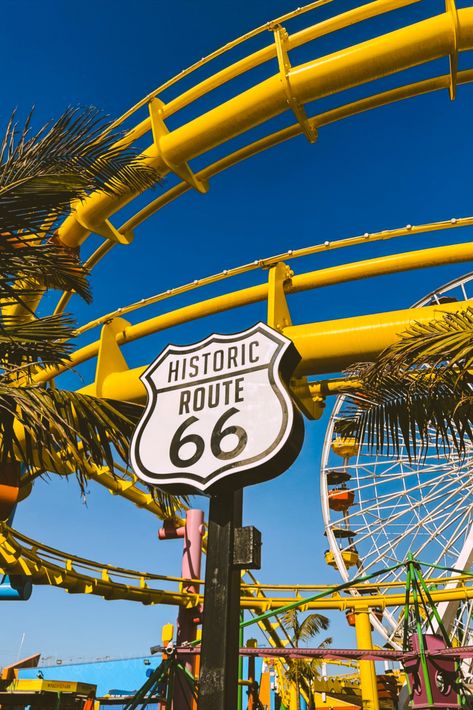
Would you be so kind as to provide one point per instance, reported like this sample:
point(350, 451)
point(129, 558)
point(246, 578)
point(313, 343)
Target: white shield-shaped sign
point(218, 413)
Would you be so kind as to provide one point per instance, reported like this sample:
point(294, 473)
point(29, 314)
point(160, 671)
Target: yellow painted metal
point(453, 59)
point(279, 279)
point(110, 359)
point(425, 258)
point(345, 447)
point(167, 634)
point(281, 40)
point(279, 318)
point(425, 41)
point(159, 129)
point(45, 565)
point(325, 347)
point(332, 346)
point(332, 24)
point(369, 689)
point(323, 119)
point(122, 482)
point(41, 685)
point(334, 275)
point(350, 558)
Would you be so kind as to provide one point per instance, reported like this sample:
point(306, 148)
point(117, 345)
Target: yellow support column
point(293, 702)
point(369, 688)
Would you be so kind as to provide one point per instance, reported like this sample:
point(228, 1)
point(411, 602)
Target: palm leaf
point(169, 504)
point(41, 174)
point(42, 338)
point(38, 425)
point(306, 629)
point(312, 625)
point(444, 343)
point(28, 265)
point(418, 392)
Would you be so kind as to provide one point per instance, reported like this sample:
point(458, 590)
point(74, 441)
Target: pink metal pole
point(192, 533)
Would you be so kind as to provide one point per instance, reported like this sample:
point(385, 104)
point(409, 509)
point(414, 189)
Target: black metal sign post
point(219, 417)
point(218, 687)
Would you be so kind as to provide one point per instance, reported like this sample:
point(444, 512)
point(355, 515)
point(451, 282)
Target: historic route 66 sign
point(218, 413)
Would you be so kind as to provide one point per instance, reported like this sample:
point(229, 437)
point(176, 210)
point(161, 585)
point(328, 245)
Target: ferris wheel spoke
point(435, 492)
point(374, 478)
point(374, 483)
point(395, 547)
point(415, 533)
point(448, 543)
point(382, 523)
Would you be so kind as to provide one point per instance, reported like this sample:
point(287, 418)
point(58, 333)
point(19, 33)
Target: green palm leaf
point(445, 343)
point(306, 629)
point(41, 174)
point(38, 425)
point(28, 266)
point(23, 341)
point(303, 671)
point(418, 392)
point(312, 625)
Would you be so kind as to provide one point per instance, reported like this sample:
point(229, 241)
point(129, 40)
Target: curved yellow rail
point(324, 346)
point(442, 36)
point(46, 565)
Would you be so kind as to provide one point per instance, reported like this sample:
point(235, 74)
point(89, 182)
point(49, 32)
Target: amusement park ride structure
point(357, 492)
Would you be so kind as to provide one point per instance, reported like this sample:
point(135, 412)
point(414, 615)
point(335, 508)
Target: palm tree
point(40, 175)
point(302, 672)
point(418, 391)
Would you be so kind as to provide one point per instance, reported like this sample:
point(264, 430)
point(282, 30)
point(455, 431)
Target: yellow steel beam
point(331, 346)
point(267, 262)
point(332, 24)
point(388, 54)
point(325, 347)
point(46, 565)
point(323, 119)
point(16, 559)
point(334, 275)
point(369, 686)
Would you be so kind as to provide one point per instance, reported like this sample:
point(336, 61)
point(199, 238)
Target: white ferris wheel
point(378, 508)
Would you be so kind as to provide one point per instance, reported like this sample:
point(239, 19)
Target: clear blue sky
point(407, 163)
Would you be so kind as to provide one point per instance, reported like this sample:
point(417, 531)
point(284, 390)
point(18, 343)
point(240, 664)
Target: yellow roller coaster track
point(20, 555)
point(324, 346)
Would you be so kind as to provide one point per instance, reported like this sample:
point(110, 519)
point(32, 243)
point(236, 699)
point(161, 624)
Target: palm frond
point(312, 625)
point(444, 344)
point(28, 266)
point(305, 629)
point(38, 425)
point(326, 643)
point(41, 174)
point(28, 341)
point(170, 505)
point(418, 393)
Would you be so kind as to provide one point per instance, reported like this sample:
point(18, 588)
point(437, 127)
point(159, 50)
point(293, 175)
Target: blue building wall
point(124, 674)
point(127, 675)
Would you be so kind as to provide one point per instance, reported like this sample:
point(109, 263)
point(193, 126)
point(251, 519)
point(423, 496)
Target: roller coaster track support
point(369, 686)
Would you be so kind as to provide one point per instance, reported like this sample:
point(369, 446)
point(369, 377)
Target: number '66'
point(218, 435)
